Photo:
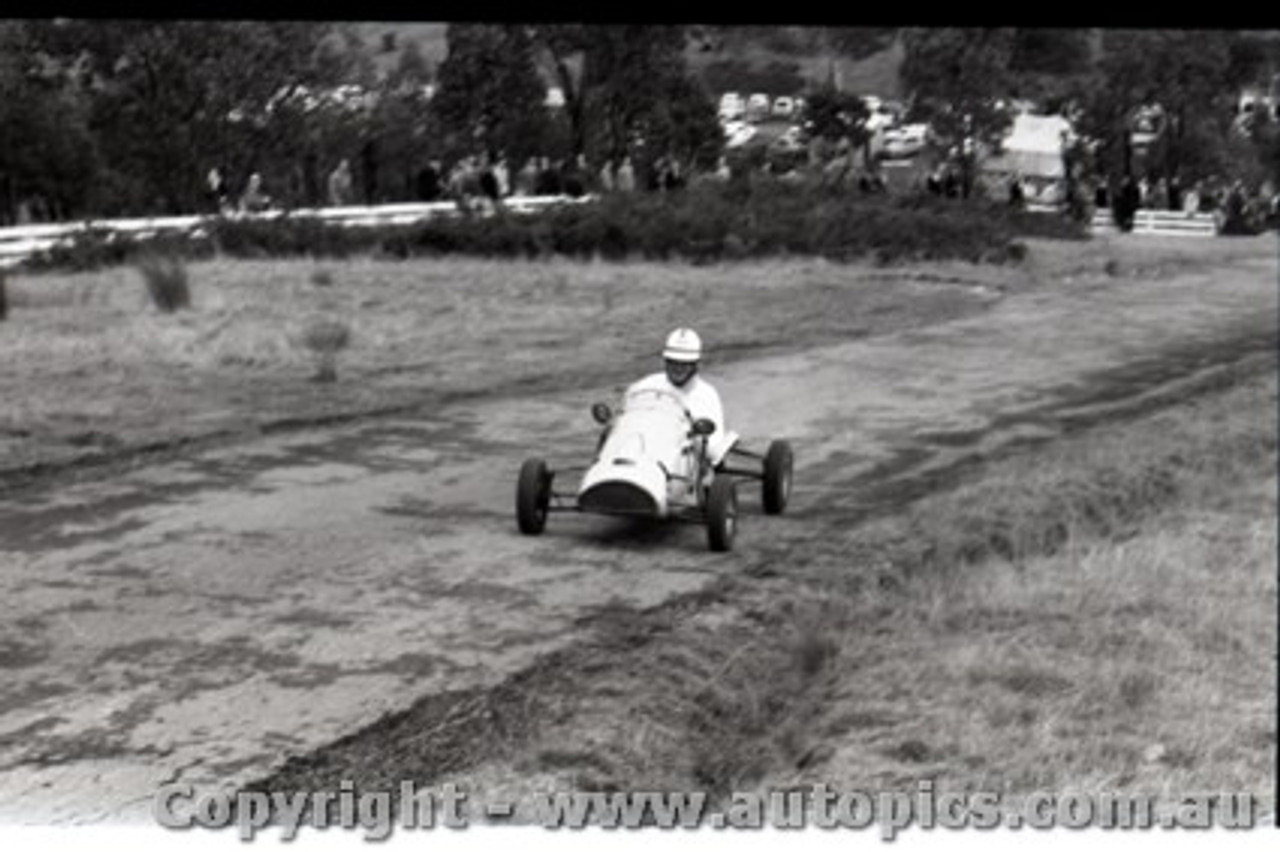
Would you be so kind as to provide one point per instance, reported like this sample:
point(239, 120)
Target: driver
point(681, 356)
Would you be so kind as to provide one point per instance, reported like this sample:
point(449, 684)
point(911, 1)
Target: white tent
point(1033, 148)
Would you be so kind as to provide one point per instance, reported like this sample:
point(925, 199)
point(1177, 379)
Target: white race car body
point(656, 461)
point(648, 462)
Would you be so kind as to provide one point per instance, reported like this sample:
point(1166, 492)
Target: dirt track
point(206, 618)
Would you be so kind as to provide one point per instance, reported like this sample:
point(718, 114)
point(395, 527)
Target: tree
point(46, 151)
point(1185, 74)
point(836, 115)
point(490, 96)
point(861, 42)
point(627, 89)
point(412, 68)
point(958, 77)
point(1051, 66)
point(164, 95)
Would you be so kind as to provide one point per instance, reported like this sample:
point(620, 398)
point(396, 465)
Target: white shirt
point(701, 399)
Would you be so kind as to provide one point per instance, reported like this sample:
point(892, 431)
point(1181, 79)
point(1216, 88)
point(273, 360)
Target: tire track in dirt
point(548, 725)
point(209, 617)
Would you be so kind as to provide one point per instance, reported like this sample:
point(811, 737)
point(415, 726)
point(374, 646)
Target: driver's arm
point(709, 406)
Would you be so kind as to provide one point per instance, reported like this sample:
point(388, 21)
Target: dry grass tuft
point(167, 282)
point(1099, 615)
point(326, 338)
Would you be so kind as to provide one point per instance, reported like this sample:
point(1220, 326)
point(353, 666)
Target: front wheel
point(533, 496)
point(722, 514)
point(777, 477)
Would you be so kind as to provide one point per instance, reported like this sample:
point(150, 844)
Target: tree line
point(111, 118)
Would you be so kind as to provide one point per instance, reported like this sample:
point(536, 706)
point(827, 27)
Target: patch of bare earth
point(1097, 613)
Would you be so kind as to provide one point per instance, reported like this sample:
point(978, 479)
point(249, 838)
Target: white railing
point(20, 242)
point(1160, 222)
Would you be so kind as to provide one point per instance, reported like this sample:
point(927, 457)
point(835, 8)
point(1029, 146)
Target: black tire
point(722, 514)
point(777, 478)
point(533, 496)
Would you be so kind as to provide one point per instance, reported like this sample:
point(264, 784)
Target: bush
point(326, 338)
point(166, 279)
point(750, 217)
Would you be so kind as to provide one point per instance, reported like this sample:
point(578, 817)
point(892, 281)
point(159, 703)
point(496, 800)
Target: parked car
point(784, 107)
point(731, 106)
point(905, 141)
point(792, 139)
point(757, 107)
point(738, 133)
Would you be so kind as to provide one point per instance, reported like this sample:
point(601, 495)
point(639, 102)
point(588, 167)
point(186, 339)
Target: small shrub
point(322, 278)
point(326, 338)
point(166, 279)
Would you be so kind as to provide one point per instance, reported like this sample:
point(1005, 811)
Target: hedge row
point(700, 224)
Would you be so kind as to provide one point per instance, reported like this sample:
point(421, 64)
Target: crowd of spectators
point(485, 181)
point(1236, 206)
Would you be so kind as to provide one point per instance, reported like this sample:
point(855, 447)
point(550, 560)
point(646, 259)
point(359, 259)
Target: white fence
point(19, 243)
point(1161, 222)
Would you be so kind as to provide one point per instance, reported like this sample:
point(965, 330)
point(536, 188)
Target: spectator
point(340, 185)
point(428, 182)
point(1235, 210)
point(526, 180)
point(255, 198)
point(502, 174)
point(217, 196)
point(657, 175)
point(1159, 197)
point(1128, 200)
point(951, 184)
point(1191, 200)
point(1209, 196)
point(607, 182)
point(674, 178)
point(464, 183)
point(1017, 195)
point(573, 177)
point(1175, 193)
point(626, 177)
point(549, 182)
point(489, 182)
point(933, 183)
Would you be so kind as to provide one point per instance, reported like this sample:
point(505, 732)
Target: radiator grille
point(617, 498)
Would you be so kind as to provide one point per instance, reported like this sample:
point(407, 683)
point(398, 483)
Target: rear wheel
point(722, 514)
point(777, 477)
point(533, 496)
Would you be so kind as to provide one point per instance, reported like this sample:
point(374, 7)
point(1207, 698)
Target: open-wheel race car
point(654, 460)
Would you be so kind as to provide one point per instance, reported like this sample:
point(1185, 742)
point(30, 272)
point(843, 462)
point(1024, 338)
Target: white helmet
point(683, 344)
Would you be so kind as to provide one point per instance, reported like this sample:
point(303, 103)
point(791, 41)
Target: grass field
point(1120, 635)
point(90, 368)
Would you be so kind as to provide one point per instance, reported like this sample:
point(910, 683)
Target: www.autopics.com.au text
point(379, 813)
